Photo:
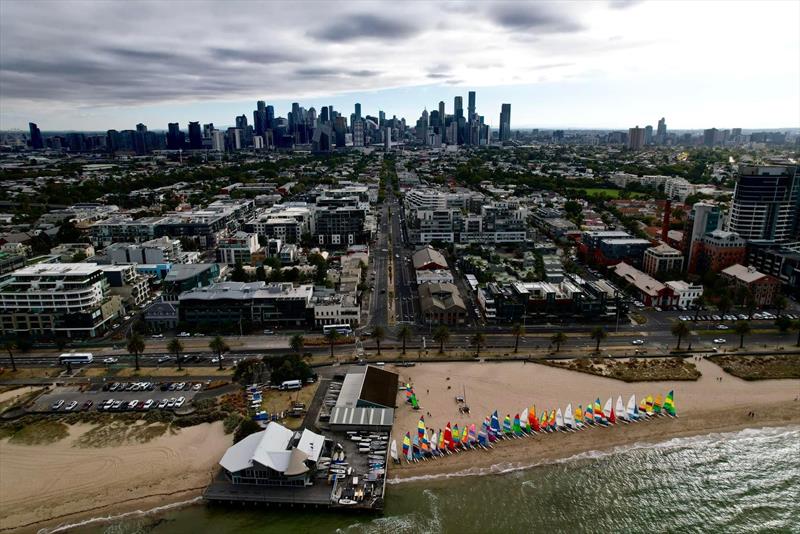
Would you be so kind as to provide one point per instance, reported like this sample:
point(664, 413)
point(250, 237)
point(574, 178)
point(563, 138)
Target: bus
point(291, 384)
point(343, 329)
point(76, 357)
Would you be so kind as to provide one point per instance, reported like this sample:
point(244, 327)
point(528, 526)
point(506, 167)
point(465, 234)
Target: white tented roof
point(351, 388)
point(311, 443)
point(269, 448)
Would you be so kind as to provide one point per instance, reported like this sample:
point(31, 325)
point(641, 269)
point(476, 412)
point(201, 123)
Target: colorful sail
point(448, 436)
point(657, 404)
point(620, 409)
point(649, 405)
point(643, 407)
point(543, 422)
point(421, 427)
point(495, 425)
point(607, 408)
point(524, 422)
point(507, 424)
point(414, 402)
point(516, 426)
point(473, 434)
point(415, 448)
point(441, 445)
point(588, 416)
point(597, 410)
point(483, 440)
point(578, 415)
point(407, 446)
point(552, 421)
point(669, 404)
point(534, 420)
point(456, 434)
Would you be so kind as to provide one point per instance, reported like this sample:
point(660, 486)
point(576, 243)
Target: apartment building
point(237, 248)
point(662, 259)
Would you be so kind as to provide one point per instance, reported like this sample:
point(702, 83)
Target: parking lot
point(732, 317)
point(147, 396)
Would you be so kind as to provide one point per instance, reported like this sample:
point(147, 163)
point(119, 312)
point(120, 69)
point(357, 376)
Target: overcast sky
point(107, 64)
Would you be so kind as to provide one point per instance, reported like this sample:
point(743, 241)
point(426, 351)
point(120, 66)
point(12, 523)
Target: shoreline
point(540, 450)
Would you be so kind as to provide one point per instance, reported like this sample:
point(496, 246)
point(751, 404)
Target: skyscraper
point(661, 132)
point(358, 111)
point(175, 137)
point(648, 135)
point(765, 203)
point(195, 136)
point(635, 138)
point(505, 122)
point(470, 105)
point(36, 136)
point(260, 118)
point(442, 121)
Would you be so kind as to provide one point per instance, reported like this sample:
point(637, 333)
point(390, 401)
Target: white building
point(685, 293)
point(237, 248)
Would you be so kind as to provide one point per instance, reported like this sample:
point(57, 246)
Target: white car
point(148, 404)
point(163, 403)
point(184, 334)
point(722, 327)
point(179, 402)
point(71, 405)
point(157, 336)
point(720, 341)
point(110, 360)
point(637, 342)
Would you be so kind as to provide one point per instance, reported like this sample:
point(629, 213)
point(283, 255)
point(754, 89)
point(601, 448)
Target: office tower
point(358, 110)
point(458, 107)
point(270, 117)
point(339, 130)
point(470, 105)
point(442, 121)
point(260, 118)
point(703, 219)
point(234, 139)
point(648, 135)
point(195, 136)
point(207, 129)
point(141, 128)
point(711, 137)
point(387, 139)
point(661, 132)
point(241, 122)
point(175, 137)
point(505, 122)
point(381, 118)
point(36, 136)
point(358, 133)
point(217, 141)
point(635, 138)
point(765, 203)
point(324, 116)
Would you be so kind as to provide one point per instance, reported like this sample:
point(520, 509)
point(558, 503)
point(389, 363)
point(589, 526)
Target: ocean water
point(746, 481)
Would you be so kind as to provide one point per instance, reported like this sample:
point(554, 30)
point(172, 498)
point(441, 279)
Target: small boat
point(569, 418)
point(620, 410)
point(669, 405)
point(559, 420)
point(630, 410)
point(607, 410)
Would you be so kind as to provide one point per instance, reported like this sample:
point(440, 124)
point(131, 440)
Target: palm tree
point(478, 340)
point(176, 347)
point(680, 330)
point(378, 334)
point(297, 342)
point(699, 303)
point(404, 334)
point(598, 334)
point(441, 335)
point(136, 346)
point(558, 339)
point(742, 328)
point(517, 331)
point(10, 346)
point(219, 346)
point(332, 336)
point(780, 304)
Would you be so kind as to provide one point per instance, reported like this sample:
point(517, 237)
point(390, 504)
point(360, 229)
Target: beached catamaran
point(426, 444)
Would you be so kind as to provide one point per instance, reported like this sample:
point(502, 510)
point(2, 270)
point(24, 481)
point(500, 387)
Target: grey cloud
point(437, 75)
point(534, 17)
point(623, 4)
point(551, 66)
point(253, 56)
point(364, 26)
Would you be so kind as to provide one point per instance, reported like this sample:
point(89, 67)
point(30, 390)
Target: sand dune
point(707, 405)
point(43, 482)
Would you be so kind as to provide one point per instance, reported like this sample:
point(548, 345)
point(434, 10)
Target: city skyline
point(589, 65)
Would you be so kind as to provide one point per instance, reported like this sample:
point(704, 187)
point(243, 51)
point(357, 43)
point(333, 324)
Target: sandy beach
point(705, 406)
point(46, 485)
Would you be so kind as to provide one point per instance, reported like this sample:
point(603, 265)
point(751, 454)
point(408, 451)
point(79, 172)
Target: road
point(406, 299)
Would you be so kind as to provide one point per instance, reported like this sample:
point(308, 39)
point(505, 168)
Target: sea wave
point(679, 442)
point(117, 517)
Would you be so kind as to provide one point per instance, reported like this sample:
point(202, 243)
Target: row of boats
point(428, 443)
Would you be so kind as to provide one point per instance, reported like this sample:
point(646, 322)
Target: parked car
point(132, 404)
point(197, 386)
point(637, 342)
point(117, 405)
point(171, 403)
point(162, 403)
point(720, 341)
point(148, 404)
point(164, 359)
point(179, 402)
point(157, 336)
point(184, 334)
point(86, 405)
point(722, 327)
point(269, 332)
point(110, 360)
point(56, 405)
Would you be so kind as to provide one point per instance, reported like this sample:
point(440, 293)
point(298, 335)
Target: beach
point(705, 406)
point(44, 485)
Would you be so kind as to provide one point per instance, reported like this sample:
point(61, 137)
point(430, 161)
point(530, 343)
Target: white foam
point(110, 518)
point(507, 467)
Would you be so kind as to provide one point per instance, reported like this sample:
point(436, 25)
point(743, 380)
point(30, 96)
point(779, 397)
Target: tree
point(598, 334)
point(219, 346)
point(699, 303)
point(742, 328)
point(378, 334)
point(783, 323)
point(441, 335)
point(247, 427)
point(332, 336)
point(478, 340)
point(176, 347)
point(10, 346)
point(261, 273)
point(136, 346)
point(517, 330)
point(751, 305)
point(404, 334)
point(238, 274)
point(558, 339)
point(680, 330)
point(780, 304)
point(297, 342)
point(724, 304)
